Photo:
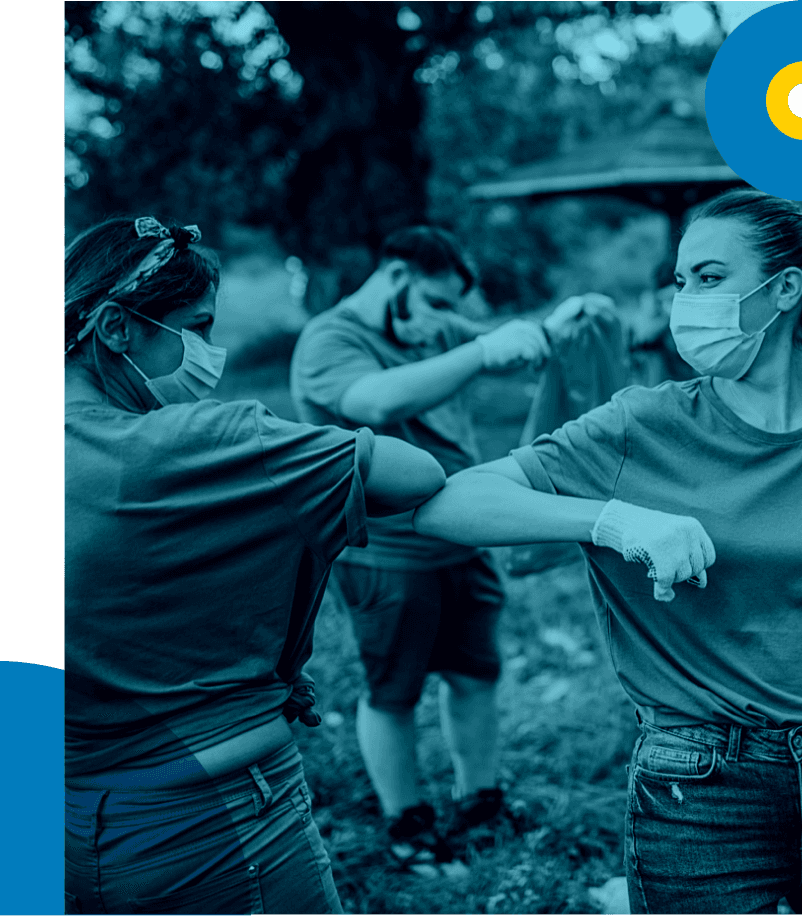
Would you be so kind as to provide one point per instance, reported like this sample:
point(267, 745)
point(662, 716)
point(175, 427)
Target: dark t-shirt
point(335, 350)
point(198, 544)
point(729, 653)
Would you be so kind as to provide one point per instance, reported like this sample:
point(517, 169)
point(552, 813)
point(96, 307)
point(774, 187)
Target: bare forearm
point(483, 509)
point(405, 391)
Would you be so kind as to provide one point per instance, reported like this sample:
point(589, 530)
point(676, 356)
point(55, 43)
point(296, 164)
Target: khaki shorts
point(411, 622)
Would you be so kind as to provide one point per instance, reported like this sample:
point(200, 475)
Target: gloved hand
point(514, 344)
point(301, 700)
point(676, 548)
point(572, 308)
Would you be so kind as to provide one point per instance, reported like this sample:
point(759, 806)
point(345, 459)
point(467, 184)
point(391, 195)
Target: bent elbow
point(429, 480)
point(436, 479)
point(421, 521)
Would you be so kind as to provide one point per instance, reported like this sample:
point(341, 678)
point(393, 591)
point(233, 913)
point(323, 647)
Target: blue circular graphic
point(735, 100)
point(32, 773)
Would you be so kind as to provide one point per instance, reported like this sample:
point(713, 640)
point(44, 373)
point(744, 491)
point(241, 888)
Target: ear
point(113, 327)
point(791, 289)
point(398, 273)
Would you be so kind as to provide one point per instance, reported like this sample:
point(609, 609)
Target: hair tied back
point(183, 235)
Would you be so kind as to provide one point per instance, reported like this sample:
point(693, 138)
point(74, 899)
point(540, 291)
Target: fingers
point(708, 549)
point(565, 312)
point(514, 344)
point(703, 554)
point(696, 559)
point(595, 302)
point(663, 590)
point(699, 581)
point(683, 570)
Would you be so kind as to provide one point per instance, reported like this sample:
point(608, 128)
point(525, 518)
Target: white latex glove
point(676, 548)
point(514, 344)
point(568, 311)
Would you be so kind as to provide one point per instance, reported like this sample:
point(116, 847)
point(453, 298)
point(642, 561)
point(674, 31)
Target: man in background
point(396, 356)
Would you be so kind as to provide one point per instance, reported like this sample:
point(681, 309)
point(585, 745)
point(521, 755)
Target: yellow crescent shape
point(777, 102)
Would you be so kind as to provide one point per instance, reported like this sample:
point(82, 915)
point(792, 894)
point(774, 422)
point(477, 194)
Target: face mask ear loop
point(758, 288)
point(152, 321)
point(98, 368)
point(128, 358)
point(771, 320)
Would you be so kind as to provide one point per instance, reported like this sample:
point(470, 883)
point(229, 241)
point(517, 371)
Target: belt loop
point(795, 742)
point(734, 746)
point(264, 788)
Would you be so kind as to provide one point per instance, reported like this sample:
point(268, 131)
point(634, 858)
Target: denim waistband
point(739, 741)
point(277, 768)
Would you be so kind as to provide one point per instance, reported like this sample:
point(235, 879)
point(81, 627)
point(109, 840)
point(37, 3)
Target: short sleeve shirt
point(199, 540)
point(335, 350)
point(729, 653)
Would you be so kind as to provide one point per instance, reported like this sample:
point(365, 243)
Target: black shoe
point(477, 808)
point(415, 844)
point(478, 820)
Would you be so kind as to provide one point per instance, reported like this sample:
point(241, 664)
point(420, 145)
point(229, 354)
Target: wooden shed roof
point(672, 151)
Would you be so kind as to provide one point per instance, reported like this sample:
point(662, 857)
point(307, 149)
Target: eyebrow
point(701, 264)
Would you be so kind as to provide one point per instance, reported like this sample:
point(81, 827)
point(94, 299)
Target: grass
point(566, 730)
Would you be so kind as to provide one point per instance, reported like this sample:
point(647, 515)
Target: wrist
point(479, 351)
point(608, 528)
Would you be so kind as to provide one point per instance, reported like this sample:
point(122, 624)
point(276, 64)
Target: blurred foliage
point(335, 123)
point(302, 115)
point(546, 78)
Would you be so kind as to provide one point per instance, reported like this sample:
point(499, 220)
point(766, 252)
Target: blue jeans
point(713, 822)
point(241, 843)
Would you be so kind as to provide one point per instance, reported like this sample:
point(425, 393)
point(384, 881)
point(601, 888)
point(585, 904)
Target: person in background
point(396, 356)
point(713, 821)
point(199, 538)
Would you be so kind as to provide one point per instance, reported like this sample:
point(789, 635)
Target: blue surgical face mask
point(707, 331)
point(196, 377)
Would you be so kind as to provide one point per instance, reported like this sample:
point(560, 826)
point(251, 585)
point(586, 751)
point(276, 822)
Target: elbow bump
point(438, 479)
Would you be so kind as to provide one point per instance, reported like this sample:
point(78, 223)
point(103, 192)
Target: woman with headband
point(713, 823)
point(199, 537)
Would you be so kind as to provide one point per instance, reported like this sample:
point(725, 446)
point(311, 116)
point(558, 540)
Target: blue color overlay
point(32, 773)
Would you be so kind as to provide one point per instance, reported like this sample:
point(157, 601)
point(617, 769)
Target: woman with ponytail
point(713, 823)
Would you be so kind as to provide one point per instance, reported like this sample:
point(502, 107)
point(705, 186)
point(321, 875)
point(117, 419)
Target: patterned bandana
point(146, 227)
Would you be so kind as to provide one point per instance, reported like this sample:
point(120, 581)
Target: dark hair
point(429, 250)
point(773, 228)
point(105, 254)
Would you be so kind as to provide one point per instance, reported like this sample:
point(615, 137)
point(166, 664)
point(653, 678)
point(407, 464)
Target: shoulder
point(337, 324)
point(669, 399)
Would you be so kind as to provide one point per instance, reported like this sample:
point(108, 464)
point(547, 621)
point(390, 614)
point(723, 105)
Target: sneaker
point(415, 844)
point(477, 820)
point(477, 808)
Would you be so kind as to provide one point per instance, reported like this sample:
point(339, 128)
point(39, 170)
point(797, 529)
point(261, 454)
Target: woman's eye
point(679, 284)
point(709, 277)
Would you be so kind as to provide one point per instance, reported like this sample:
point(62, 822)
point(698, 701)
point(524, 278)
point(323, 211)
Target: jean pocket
point(237, 892)
point(302, 803)
point(71, 903)
point(673, 764)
